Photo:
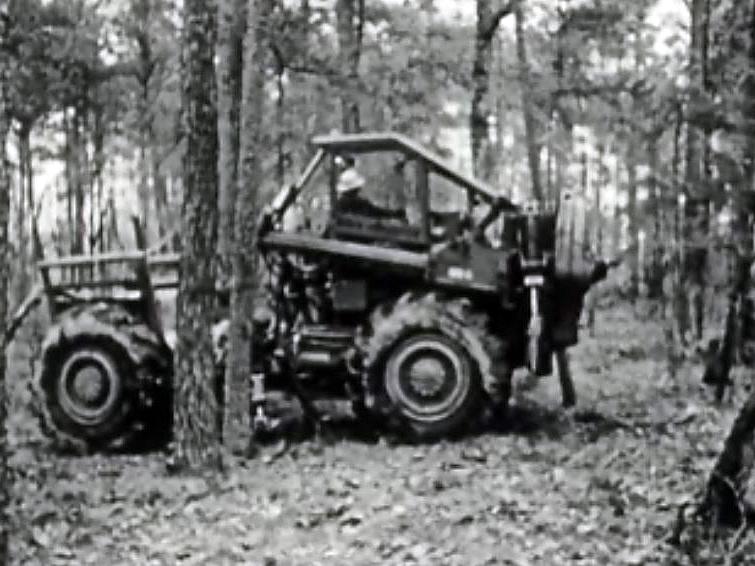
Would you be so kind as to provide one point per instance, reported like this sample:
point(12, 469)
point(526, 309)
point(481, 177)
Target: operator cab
point(385, 189)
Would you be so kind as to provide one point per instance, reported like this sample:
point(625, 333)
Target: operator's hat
point(349, 180)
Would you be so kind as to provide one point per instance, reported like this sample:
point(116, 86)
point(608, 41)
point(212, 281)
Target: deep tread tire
point(104, 382)
point(450, 336)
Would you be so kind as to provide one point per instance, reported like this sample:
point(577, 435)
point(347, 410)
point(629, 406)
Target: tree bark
point(696, 174)
point(488, 19)
point(749, 108)
point(76, 177)
point(144, 12)
point(280, 126)
point(600, 182)
point(478, 115)
point(71, 232)
point(349, 24)
point(659, 235)
point(616, 213)
point(4, 213)
point(723, 504)
point(236, 426)
point(676, 299)
point(160, 192)
point(98, 183)
point(230, 23)
point(112, 232)
point(530, 120)
point(694, 148)
point(23, 137)
point(79, 179)
point(24, 208)
point(632, 225)
point(196, 422)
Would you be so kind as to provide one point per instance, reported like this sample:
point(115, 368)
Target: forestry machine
point(416, 309)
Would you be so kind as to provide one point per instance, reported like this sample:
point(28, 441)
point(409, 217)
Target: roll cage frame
point(425, 162)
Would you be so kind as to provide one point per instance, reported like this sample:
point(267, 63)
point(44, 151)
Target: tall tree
point(723, 504)
point(697, 62)
point(196, 408)
point(489, 16)
point(748, 107)
point(695, 214)
point(528, 109)
point(350, 26)
point(236, 426)
point(4, 211)
point(230, 24)
point(143, 14)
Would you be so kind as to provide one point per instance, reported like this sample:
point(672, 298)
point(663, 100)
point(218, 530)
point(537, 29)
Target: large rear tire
point(104, 382)
point(432, 383)
point(88, 393)
point(429, 363)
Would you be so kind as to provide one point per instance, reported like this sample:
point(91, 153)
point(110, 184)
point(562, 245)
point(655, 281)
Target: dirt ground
point(600, 485)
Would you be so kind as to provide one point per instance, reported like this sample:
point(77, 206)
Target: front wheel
point(432, 384)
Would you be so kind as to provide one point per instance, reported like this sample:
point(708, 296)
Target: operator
point(349, 199)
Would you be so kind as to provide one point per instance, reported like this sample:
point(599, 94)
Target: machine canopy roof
point(391, 141)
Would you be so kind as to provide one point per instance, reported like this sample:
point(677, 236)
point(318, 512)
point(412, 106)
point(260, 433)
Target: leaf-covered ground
point(600, 485)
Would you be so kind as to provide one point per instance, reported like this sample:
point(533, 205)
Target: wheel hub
point(89, 387)
point(89, 384)
point(427, 376)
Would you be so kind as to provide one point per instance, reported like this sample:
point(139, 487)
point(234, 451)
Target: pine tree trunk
point(723, 504)
point(478, 116)
point(676, 299)
point(236, 426)
point(280, 127)
point(230, 25)
point(76, 176)
point(749, 108)
point(143, 13)
point(4, 212)
point(487, 23)
point(144, 172)
point(196, 409)
point(24, 209)
point(160, 192)
point(503, 159)
point(600, 182)
point(79, 178)
point(349, 23)
point(23, 148)
point(661, 234)
point(694, 148)
point(530, 121)
point(616, 209)
point(98, 171)
point(632, 213)
point(69, 174)
point(113, 233)
point(696, 181)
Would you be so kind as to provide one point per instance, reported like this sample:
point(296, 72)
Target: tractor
point(416, 316)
